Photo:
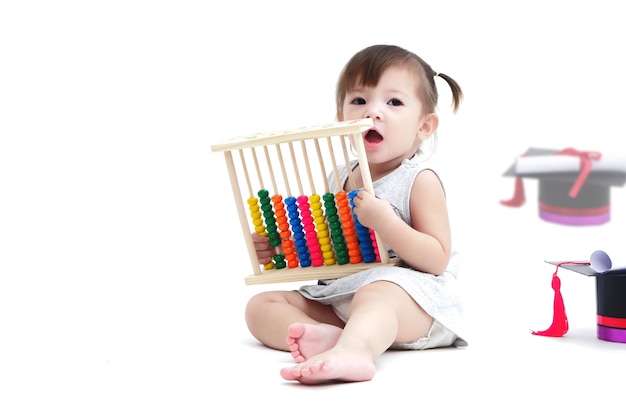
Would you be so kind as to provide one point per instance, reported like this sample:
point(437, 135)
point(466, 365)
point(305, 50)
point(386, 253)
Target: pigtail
point(457, 93)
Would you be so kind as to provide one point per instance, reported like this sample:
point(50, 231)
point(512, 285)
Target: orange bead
point(351, 237)
point(346, 217)
point(352, 244)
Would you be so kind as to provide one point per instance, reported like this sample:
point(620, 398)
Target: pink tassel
point(518, 196)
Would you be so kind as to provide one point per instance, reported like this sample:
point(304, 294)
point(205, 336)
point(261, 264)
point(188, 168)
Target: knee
point(255, 305)
point(258, 305)
point(377, 290)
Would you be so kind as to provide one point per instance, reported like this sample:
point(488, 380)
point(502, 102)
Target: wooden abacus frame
point(336, 135)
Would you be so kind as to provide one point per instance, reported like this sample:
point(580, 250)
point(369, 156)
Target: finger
point(363, 194)
point(257, 238)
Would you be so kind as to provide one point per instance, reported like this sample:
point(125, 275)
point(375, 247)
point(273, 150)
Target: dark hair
point(367, 65)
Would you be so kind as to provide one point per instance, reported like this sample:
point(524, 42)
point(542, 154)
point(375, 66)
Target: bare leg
point(381, 313)
point(269, 315)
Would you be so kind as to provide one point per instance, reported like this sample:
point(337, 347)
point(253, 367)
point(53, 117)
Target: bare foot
point(307, 340)
point(336, 364)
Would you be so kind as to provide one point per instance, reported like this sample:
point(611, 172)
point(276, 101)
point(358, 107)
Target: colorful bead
point(312, 230)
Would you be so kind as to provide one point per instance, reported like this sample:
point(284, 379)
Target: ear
point(430, 122)
point(340, 116)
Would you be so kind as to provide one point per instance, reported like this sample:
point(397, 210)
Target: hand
point(372, 212)
point(264, 251)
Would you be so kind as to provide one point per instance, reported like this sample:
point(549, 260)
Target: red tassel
point(518, 195)
point(559, 324)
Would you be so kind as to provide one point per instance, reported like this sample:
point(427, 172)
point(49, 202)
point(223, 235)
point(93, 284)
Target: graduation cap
point(610, 297)
point(574, 186)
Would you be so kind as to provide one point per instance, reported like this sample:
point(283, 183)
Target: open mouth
point(372, 136)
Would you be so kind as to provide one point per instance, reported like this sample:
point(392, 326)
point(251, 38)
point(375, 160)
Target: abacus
point(314, 231)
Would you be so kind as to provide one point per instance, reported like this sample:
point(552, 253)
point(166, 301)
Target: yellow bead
point(326, 248)
point(323, 232)
point(319, 220)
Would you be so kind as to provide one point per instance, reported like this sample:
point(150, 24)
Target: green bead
point(274, 242)
point(279, 259)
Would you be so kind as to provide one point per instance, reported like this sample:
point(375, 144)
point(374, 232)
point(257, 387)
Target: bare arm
point(427, 245)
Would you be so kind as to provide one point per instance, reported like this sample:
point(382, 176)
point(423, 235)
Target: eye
point(358, 101)
point(395, 102)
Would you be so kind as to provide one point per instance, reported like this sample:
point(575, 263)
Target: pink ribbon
point(586, 158)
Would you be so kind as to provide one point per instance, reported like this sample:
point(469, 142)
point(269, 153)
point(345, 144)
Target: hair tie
point(436, 75)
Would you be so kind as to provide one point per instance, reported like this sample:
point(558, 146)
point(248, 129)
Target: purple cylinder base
point(574, 220)
point(611, 334)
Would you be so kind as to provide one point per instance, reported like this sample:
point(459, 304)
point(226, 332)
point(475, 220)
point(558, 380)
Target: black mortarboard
point(574, 186)
point(610, 297)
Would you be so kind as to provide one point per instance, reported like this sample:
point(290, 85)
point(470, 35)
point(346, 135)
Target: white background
point(121, 260)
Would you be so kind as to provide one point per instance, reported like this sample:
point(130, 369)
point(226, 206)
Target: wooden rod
point(245, 171)
point(234, 182)
point(346, 157)
point(269, 167)
point(322, 167)
point(295, 168)
point(334, 162)
point(308, 167)
point(283, 170)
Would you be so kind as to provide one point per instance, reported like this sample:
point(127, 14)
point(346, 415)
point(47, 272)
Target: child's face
point(397, 114)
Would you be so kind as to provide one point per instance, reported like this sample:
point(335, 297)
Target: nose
point(373, 111)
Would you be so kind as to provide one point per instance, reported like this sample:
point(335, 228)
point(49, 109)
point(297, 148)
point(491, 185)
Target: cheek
point(347, 114)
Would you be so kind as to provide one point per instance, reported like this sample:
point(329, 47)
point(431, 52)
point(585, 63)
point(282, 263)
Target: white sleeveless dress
point(437, 295)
